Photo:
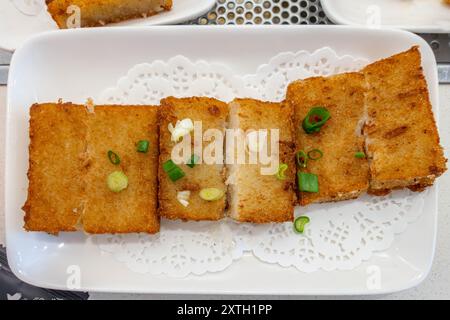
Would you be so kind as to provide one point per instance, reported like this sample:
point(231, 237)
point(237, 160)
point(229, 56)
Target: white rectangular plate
point(429, 16)
point(78, 64)
point(21, 19)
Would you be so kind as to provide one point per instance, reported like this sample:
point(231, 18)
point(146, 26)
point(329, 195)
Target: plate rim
point(337, 18)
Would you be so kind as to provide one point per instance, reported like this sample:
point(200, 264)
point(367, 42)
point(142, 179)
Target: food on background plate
point(401, 135)
point(100, 12)
point(56, 191)
point(329, 115)
point(253, 196)
point(80, 158)
point(192, 190)
point(122, 145)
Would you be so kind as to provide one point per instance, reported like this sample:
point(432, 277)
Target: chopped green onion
point(113, 157)
point(211, 194)
point(308, 182)
point(315, 154)
point(281, 171)
point(169, 165)
point(315, 119)
point(302, 159)
point(300, 223)
point(173, 171)
point(193, 161)
point(176, 174)
point(142, 146)
point(360, 155)
point(117, 181)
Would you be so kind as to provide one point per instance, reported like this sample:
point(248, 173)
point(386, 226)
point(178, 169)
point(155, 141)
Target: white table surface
point(436, 286)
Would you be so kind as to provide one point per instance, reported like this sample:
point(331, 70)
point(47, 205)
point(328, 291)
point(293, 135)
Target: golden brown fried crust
point(56, 167)
point(119, 129)
point(379, 192)
point(69, 166)
point(213, 114)
point(100, 12)
point(401, 134)
point(255, 197)
point(341, 175)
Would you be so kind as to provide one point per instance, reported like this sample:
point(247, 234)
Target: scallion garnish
point(176, 174)
point(173, 171)
point(308, 182)
point(183, 197)
point(281, 171)
point(302, 159)
point(113, 157)
point(117, 181)
point(315, 119)
point(300, 223)
point(315, 154)
point(142, 146)
point(360, 155)
point(169, 165)
point(193, 161)
point(211, 194)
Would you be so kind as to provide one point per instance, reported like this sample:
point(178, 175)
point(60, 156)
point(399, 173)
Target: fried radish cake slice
point(340, 171)
point(192, 188)
point(121, 193)
point(254, 195)
point(402, 139)
point(57, 166)
point(100, 12)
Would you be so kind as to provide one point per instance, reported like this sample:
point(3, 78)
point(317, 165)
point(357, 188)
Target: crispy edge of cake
point(411, 70)
point(58, 11)
point(46, 132)
point(269, 208)
point(209, 111)
point(318, 89)
point(141, 172)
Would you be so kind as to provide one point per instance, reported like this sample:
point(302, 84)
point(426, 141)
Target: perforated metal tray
point(265, 12)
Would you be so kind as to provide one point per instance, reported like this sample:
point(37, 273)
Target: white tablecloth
point(436, 286)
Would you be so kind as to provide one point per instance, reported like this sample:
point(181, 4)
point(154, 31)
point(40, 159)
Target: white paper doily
point(340, 235)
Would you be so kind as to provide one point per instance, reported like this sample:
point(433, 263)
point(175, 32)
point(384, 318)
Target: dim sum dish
point(337, 137)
